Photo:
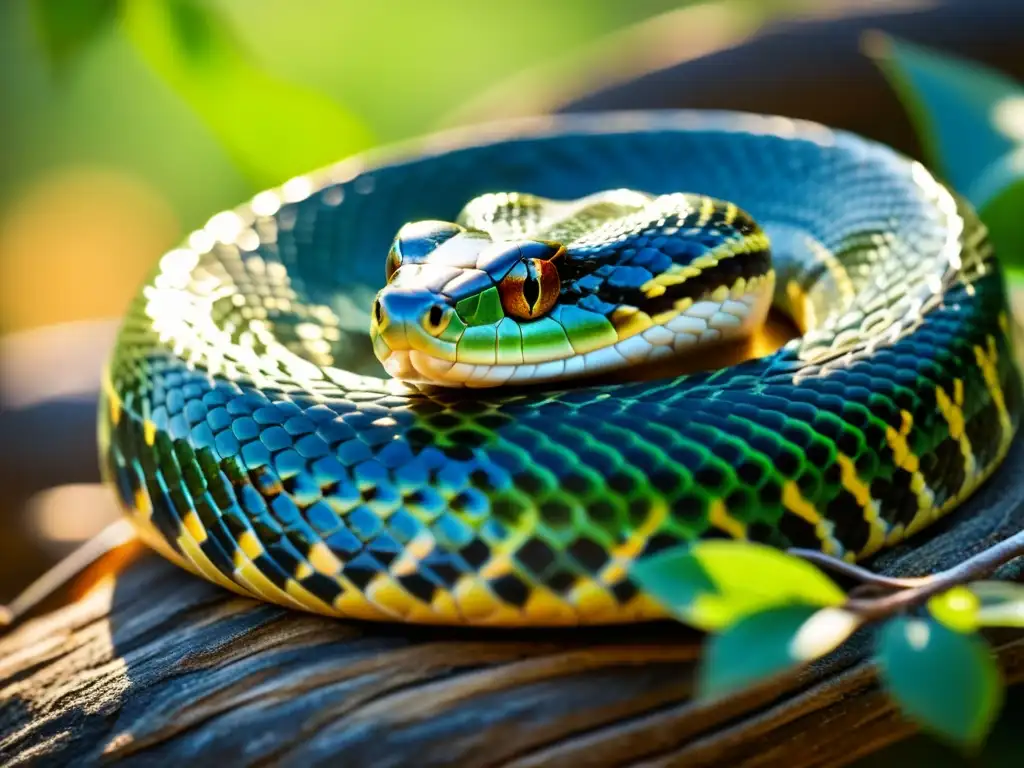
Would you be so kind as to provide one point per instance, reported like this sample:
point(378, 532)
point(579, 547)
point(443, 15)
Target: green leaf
point(968, 116)
point(944, 680)
point(67, 27)
point(762, 645)
point(1001, 603)
point(272, 128)
point(970, 120)
point(1001, 213)
point(957, 608)
point(712, 584)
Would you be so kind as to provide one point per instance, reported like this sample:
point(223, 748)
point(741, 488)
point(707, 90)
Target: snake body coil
point(248, 430)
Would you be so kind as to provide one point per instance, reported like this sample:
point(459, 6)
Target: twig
point(107, 540)
point(856, 572)
point(982, 564)
point(913, 592)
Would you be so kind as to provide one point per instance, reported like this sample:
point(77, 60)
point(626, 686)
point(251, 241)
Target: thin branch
point(856, 572)
point(972, 569)
point(110, 538)
point(912, 592)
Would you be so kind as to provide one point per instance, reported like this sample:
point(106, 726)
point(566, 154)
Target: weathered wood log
point(158, 666)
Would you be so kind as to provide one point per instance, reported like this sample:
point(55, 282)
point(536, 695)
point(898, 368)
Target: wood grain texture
point(157, 666)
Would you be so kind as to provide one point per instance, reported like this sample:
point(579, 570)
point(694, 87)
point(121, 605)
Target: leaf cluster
point(771, 613)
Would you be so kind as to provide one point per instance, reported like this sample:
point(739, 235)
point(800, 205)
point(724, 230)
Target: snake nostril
point(435, 316)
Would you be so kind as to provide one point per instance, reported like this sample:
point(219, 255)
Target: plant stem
point(856, 572)
point(913, 592)
point(110, 538)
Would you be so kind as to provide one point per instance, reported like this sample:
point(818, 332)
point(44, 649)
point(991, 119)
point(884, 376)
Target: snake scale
point(255, 440)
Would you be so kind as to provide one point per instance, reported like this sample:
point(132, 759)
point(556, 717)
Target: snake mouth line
point(702, 326)
point(402, 365)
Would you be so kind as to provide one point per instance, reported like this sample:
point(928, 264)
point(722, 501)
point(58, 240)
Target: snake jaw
point(689, 332)
point(407, 319)
point(399, 366)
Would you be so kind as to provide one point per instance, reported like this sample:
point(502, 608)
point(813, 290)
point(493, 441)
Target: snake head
point(455, 300)
point(501, 298)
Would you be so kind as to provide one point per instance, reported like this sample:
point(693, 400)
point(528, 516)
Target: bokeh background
point(124, 124)
point(114, 146)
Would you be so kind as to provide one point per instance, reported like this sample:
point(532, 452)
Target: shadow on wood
point(157, 665)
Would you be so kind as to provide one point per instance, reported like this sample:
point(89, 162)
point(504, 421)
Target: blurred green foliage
point(768, 643)
point(770, 613)
point(713, 584)
point(272, 129)
point(67, 29)
point(971, 122)
point(387, 70)
point(954, 105)
point(944, 680)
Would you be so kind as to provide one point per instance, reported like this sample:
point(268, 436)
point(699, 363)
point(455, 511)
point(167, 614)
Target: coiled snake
point(255, 440)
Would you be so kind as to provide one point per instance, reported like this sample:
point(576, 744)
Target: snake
point(408, 387)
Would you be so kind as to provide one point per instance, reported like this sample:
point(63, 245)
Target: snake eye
point(530, 289)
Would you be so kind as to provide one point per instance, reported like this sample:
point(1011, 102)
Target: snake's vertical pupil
point(378, 313)
point(531, 289)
